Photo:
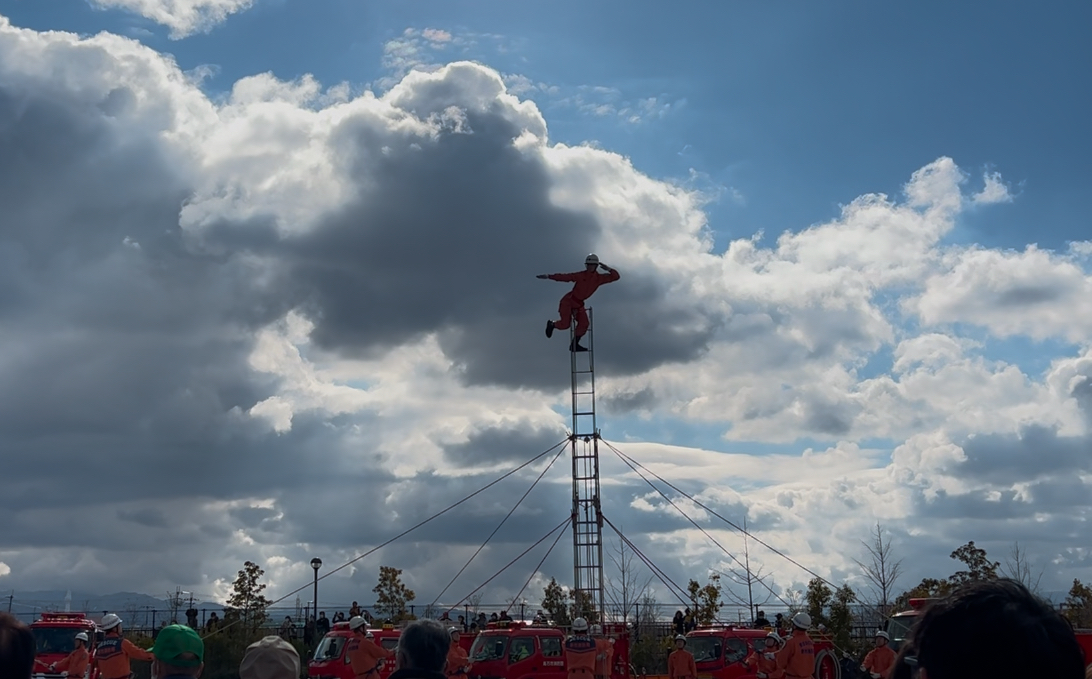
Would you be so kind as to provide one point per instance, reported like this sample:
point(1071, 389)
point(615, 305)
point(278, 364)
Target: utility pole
point(11, 597)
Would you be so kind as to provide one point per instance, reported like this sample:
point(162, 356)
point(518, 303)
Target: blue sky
point(839, 378)
point(798, 107)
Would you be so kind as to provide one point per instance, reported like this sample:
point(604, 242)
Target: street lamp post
point(316, 564)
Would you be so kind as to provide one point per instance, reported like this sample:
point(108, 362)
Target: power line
point(499, 525)
point(656, 570)
point(407, 531)
point(535, 570)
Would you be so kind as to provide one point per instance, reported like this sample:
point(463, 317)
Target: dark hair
point(423, 645)
point(17, 648)
point(1018, 635)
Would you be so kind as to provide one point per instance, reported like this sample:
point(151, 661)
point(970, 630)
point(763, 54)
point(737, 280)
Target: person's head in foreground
point(423, 647)
point(17, 648)
point(996, 629)
point(179, 652)
point(270, 658)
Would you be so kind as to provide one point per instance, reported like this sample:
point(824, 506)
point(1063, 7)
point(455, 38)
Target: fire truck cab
point(719, 652)
point(55, 637)
point(517, 650)
point(332, 662)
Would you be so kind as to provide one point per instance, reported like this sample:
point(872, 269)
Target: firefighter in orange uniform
point(680, 664)
point(364, 654)
point(75, 664)
point(458, 662)
point(797, 659)
point(586, 282)
point(880, 660)
point(580, 652)
point(604, 653)
point(764, 664)
point(113, 653)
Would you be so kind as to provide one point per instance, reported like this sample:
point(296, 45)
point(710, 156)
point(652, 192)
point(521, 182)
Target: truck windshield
point(488, 647)
point(898, 626)
point(55, 639)
point(705, 649)
point(329, 648)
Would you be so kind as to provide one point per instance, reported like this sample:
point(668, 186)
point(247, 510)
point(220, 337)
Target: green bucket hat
point(175, 641)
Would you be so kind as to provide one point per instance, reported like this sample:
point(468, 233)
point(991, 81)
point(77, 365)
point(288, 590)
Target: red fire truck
point(517, 650)
point(55, 637)
point(719, 652)
point(331, 662)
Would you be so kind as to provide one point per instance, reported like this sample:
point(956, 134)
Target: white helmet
point(592, 259)
point(356, 622)
point(109, 621)
point(882, 635)
point(776, 637)
point(82, 636)
point(801, 620)
point(580, 625)
point(596, 629)
point(369, 635)
point(680, 637)
point(453, 631)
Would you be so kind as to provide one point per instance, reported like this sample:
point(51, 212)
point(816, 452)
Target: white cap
point(801, 620)
point(109, 621)
point(356, 622)
point(82, 636)
point(580, 625)
point(270, 658)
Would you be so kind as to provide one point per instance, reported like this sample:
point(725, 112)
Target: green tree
point(1078, 605)
point(841, 616)
point(584, 606)
point(705, 600)
point(555, 603)
point(247, 601)
point(818, 597)
point(928, 588)
point(979, 567)
point(391, 595)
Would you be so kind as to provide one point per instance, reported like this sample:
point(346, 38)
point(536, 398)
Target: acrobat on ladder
point(584, 440)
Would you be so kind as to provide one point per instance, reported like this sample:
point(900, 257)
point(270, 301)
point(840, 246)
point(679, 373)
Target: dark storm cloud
point(502, 444)
point(1009, 458)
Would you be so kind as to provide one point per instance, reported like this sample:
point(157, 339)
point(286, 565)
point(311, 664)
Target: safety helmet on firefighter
point(369, 635)
point(882, 635)
point(801, 620)
point(356, 622)
point(775, 637)
point(580, 625)
point(592, 259)
point(453, 631)
point(596, 629)
point(679, 637)
point(82, 636)
point(109, 622)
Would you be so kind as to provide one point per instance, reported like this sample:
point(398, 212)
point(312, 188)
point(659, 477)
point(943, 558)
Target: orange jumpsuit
point(587, 282)
point(457, 660)
point(879, 661)
point(366, 656)
point(605, 656)
point(681, 665)
point(760, 663)
point(797, 658)
point(75, 664)
point(112, 657)
point(580, 656)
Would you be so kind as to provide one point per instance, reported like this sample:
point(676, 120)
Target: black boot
point(549, 328)
point(575, 345)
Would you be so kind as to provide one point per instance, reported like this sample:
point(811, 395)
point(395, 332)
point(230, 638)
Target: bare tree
point(749, 580)
point(628, 586)
point(882, 569)
point(1018, 567)
point(475, 602)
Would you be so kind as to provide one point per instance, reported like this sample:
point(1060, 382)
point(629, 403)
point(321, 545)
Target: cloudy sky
point(267, 284)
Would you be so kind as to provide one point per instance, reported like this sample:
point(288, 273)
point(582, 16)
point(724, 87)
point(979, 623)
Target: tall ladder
point(584, 446)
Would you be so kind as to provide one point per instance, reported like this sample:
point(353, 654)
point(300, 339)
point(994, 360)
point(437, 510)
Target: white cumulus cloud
point(183, 17)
